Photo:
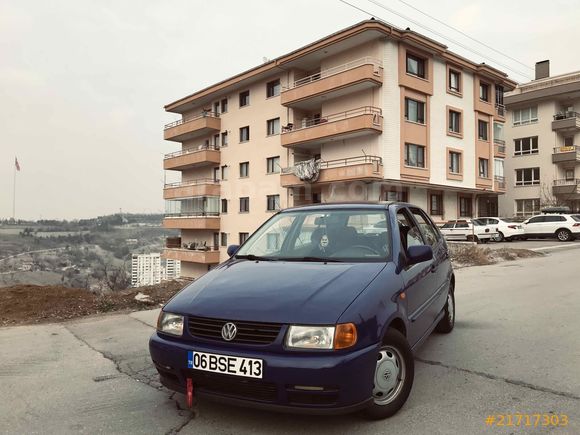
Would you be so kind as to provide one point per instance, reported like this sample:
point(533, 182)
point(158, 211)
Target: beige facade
point(383, 114)
point(542, 152)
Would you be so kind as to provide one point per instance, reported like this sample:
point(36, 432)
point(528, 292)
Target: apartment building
point(145, 269)
point(371, 112)
point(542, 133)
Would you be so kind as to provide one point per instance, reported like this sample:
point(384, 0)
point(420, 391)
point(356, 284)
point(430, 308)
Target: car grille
point(234, 386)
point(247, 332)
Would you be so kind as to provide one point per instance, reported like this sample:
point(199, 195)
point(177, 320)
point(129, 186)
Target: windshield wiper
point(312, 259)
point(253, 257)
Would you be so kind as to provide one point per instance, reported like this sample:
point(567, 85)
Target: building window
point(273, 165)
point(482, 130)
point(484, 92)
point(273, 88)
point(527, 177)
point(454, 122)
point(526, 145)
point(498, 168)
point(498, 133)
point(569, 141)
point(527, 207)
point(244, 169)
point(225, 139)
point(216, 173)
point(225, 172)
point(454, 162)
point(499, 95)
point(244, 134)
point(414, 111)
point(525, 116)
point(454, 81)
point(216, 107)
point(244, 204)
point(216, 140)
point(244, 237)
point(415, 66)
point(244, 98)
point(483, 168)
point(273, 126)
point(225, 105)
point(224, 237)
point(397, 195)
point(414, 155)
point(273, 202)
point(224, 205)
point(465, 206)
point(436, 204)
point(570, 175)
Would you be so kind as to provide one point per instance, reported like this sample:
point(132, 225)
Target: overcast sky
point(83, 83)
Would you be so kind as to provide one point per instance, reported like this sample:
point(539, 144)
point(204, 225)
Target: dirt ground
point(464, 255)
point(32, 304)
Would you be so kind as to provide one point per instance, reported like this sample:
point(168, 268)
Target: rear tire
point(447, 323)
point(393, 376)
point(499, 237)
point(564, 235)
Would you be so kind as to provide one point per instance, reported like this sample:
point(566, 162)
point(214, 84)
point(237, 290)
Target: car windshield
point(321, 235)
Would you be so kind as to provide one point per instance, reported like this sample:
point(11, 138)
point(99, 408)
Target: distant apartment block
point(371, 112)
point(150, 269)
point(543, 144)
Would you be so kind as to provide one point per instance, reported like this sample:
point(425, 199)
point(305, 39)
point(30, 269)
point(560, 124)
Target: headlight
point(310, 337)
point(170, 323)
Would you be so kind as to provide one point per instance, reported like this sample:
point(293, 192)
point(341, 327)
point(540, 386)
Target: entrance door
point(487, 206)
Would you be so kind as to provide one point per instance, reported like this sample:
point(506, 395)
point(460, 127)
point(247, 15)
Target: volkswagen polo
point(319, 311)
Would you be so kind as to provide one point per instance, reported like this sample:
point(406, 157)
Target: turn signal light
point(513, 227)
point(344, 336)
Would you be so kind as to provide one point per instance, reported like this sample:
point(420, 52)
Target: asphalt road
point(515, 348)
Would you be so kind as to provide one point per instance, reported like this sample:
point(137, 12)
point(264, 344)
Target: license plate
point(230, 365)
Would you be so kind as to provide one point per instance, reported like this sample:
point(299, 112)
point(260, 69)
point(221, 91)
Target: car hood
point(275, 291)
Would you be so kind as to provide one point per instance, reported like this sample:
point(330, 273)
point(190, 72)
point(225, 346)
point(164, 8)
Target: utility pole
point(14, 195)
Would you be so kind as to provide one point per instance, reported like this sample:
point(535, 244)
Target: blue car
point(319, 311)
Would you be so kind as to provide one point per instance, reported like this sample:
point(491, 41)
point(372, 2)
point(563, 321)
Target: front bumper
point(300, 382)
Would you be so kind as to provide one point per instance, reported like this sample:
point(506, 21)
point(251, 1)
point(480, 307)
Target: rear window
point(448, 225)
point(554, 219)
point(576, 217)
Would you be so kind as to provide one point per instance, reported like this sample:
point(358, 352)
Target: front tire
point(564, 235)
point(447, 323)
point(499, 237)
point(393, 376)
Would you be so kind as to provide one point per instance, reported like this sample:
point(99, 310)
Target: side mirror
point(232, 249)
point(418, 254)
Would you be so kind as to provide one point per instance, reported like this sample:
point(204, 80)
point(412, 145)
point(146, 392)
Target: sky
point(83, 82)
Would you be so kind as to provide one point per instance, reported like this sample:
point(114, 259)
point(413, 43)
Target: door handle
point(433, 268)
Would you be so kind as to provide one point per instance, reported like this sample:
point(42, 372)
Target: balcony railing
point(337, 69)
point(500, 109)
point(567, 149)
point(203, 114)
point(566, 115)
point(193, 214)
point(196, 182)
point(312, 122)
point(349, 161)
point(567, 182)
point(500, 182)
point(191, 150)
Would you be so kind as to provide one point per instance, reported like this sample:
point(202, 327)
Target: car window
point(429, 232)
point(462, 225)
point(576, 217)
point(410, 233)
point(479, 221)
point(449, 225)
point(536, 220)
point(492, 221)
point(554, 219)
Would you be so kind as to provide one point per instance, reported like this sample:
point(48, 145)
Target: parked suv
point(565, 227)
point(470, 230)
point(505, 228)
point(319, 311)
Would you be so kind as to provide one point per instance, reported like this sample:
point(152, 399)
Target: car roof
point(370, 205)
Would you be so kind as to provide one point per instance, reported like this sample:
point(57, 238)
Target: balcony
point(341, 80)
point(566, 154)
point(361, 168)
point(192, 157)
point(203, 124)
point(499, 183)
point(209, 255)
point(569, 188)
point(499, 111)
point(188, 189)
point(566, 122)
point(498, 148)
point(192, 221)
point(343, 125)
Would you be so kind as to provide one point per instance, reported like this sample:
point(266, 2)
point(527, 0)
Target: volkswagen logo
point(229, 331)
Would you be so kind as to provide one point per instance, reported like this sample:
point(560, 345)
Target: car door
point(417, 278)
point(534, 226)
point(441, 267)
point(462, 230)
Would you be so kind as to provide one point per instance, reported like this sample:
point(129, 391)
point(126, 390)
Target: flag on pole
point(16, 164)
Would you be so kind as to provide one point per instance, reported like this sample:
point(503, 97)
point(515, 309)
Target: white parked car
point(469, 229)
point(564, 227)
point(506, 228)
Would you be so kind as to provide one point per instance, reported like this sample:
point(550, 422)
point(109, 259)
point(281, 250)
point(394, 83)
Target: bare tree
point(116, 278)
